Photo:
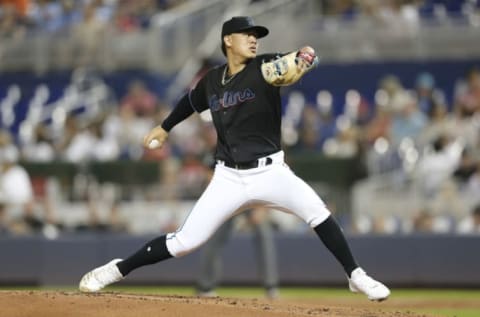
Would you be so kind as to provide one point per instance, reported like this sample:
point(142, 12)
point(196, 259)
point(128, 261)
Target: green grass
point(398, 295)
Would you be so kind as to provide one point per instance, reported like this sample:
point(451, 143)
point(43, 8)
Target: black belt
point(246, 165)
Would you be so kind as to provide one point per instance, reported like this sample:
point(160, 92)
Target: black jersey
point(246, 111)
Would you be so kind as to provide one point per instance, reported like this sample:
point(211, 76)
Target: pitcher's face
point(243, 44)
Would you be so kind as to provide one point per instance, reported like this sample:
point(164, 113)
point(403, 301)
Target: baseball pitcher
point(244, 100)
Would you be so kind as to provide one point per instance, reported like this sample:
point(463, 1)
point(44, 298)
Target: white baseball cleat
point(361, 282)
point(207, 294)
point(100, 277)
point(272, 293)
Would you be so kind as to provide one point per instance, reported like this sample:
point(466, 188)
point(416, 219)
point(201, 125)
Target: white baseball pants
point(232, 191)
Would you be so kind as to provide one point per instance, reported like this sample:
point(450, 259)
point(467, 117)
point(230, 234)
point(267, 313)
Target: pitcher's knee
point(178, 245)
point(319, 216)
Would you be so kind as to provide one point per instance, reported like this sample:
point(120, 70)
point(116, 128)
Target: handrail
point(175, 36)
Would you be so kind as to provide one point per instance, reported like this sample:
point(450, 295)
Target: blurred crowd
point(19, 18)
point(428, 138)
point(90, 124)
point(82, 26)
point(115, 34)
point(393, 11)
point(431, 146)
point(25, 17)
point(412, 131)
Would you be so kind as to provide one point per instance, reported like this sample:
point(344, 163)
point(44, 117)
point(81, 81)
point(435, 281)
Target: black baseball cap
point(242, 24)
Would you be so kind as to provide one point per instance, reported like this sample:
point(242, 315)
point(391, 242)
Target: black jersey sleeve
point(197, 96)
point(182, 110)
point(194, 100)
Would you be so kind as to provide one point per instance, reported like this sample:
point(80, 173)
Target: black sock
point(152, 252)
point(332, 236)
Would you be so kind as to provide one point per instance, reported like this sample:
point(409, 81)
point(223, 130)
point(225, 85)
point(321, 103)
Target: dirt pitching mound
point(72, 304)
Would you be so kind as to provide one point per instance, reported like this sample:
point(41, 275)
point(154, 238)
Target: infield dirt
point(73, 304)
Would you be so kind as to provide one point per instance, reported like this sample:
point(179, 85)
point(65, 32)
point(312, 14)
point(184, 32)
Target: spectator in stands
point(454, 125)
point(129, 129)
point(21, 7)
point(87, 36)
point(357, 108)
point(105, 10)
point(470, 224)
point(71, 15)
point(400, 17)
point(192, 177)
point(344, 8)
point(345, 142)
point(12, 20)
point(473, 186)
point(145, 11)
point(434, 173)
point(467, 100)
point(79, 149)
point(448, 205)
point(429, 97)
point(139, 100)
point(385, 224)
point(375, 141)
point(310, 138)
point(426, 222)
point(197, 159)
point(47, 16)
point(169, 4)
point(466, 168)
point(437, 164)
point(105, 148)
point(379, 126)
point(407, 120)
point(64, 137)
point(394, 90)
point(441, 123)
point(41, 149)
point(133, 16)
point(91, 144)
point(103, 214)
point(138, 113)
point(125, 20)
point(45, 189)
point(17, 212)
point(326, 125)
point(467, 109)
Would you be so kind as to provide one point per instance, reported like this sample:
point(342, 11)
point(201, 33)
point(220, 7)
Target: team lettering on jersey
point(230, 99)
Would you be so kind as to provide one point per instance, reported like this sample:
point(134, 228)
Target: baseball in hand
point(153, 144)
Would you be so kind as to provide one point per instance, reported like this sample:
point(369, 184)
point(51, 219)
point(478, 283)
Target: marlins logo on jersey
point(230, 99)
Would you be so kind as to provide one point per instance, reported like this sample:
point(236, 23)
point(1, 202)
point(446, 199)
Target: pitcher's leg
point(333, 238)
point(296, 196)
point(222, 198)
point(152, 252)
point(292, 194)
point(289, 193)
point(206, 216)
